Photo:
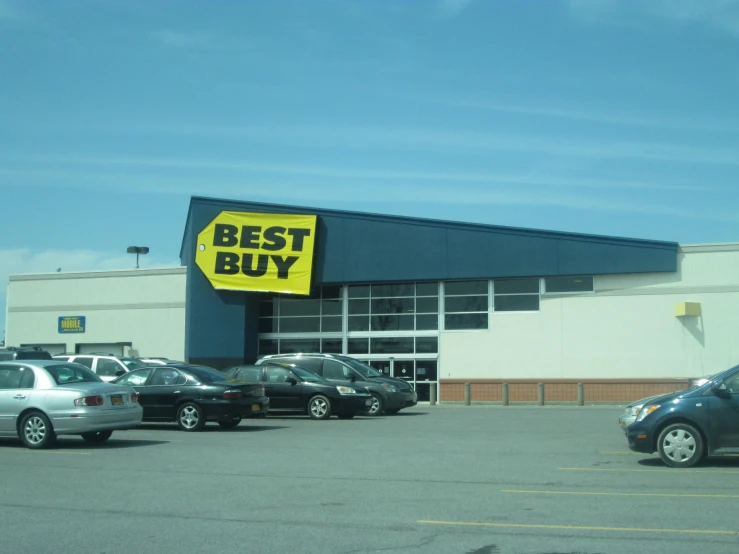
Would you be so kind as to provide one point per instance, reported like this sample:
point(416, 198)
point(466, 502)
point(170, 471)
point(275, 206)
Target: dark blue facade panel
point(484, 255)
point(382, 251)
point(215, 320)
point(593, 258)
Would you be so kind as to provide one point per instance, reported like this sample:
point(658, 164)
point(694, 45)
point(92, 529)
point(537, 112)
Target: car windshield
point(306, 375)
point(700, 381)
point(362, 368)
point(132, 363)
point(65, 374)
point(206, 374)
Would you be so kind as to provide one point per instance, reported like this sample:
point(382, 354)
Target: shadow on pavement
point(728, 462)
point(243, 427)
point(72, 443)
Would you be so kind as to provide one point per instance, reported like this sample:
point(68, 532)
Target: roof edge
point(98, 274)
point(565, 235)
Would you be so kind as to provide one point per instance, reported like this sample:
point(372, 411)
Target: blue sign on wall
point(72, 324)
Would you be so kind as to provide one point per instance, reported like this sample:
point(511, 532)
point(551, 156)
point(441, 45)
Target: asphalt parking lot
point(446, 479)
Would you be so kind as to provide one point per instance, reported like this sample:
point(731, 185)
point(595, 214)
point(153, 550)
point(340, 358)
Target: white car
point(158, 361)
point(40, 399)
point(107, 366)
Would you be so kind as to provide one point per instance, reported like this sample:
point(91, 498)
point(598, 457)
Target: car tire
point(190, 417)
point(319, 407)
point(97, 437)
point(680, 445)
point(345, 416)
point(378, 405)
point(36, 431)
point(229, 423)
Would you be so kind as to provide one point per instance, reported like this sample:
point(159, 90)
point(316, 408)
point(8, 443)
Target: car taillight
point(89, 401)
point(232, 394)
point(134, 397)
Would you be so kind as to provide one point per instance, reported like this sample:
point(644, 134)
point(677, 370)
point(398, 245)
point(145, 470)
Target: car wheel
point(392, 412)
point(97, 437)
point(36, 431)
point(680, 445)
point(346, 416)
point(319, 407)
point(378, 405)
point(190, 417)
point(229, 423)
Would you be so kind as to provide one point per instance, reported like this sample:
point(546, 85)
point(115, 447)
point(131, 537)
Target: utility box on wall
point(687, 309)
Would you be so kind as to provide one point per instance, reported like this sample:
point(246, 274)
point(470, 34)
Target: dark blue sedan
point(686, 426)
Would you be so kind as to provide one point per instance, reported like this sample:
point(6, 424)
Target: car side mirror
point(720, 390)
point(291, 380)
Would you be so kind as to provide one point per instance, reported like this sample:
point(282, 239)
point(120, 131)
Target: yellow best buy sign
point(258, 251)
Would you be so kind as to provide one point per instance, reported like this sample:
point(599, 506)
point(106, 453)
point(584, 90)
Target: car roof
point(39, 363)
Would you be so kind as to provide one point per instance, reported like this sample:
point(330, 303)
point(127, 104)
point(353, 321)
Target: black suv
point(24, 353)
point(389, 395)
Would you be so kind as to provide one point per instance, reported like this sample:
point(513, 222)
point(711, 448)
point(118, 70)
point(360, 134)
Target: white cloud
point(667, 121)
point(310, 193)
point(200, 40)
point(533, 179)
point(432, 140)
point(718, 14)
point(452, 8)
point(10, 10)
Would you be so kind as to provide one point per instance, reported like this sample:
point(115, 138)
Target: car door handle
point(176, 392)
point(19, 396)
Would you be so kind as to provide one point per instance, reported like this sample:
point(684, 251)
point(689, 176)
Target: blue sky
point(595, 116)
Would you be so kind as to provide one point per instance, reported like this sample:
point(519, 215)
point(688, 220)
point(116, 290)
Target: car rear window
point(33, 355)
point(206, 374)
point(71, 373)
point(132, 363)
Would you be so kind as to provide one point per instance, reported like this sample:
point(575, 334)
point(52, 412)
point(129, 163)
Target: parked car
point(632, 410)
point(686, 426)
point(194, 394)
point(389, 395)
point(23, 353)
point(293, 388)
point(41, 399)
point(107, 366)
point(154, 362)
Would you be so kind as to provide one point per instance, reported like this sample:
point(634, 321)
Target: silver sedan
point(40, 399)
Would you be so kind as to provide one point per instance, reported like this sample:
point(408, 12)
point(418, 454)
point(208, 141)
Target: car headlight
point(389, 388)
point(645, 411)
point(346, 390)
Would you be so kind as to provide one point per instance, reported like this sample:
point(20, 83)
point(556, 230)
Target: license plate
point(255, 407)
point(117, 400)
point(368, 402)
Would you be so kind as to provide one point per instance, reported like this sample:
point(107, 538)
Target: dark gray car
point(389, 395)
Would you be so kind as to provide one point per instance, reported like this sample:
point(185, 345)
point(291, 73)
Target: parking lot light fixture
point(137, 250)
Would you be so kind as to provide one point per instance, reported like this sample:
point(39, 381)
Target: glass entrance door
point(426, 373)
point(419, 373)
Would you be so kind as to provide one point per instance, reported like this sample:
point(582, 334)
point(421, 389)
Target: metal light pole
point(137, 250)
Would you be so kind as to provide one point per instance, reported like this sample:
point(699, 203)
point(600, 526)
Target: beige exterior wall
point(627, 329)
point(143, 307)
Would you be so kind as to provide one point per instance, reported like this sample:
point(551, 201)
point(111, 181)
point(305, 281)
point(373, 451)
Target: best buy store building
point(424, 300)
